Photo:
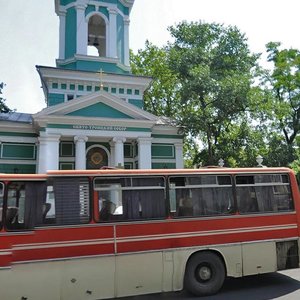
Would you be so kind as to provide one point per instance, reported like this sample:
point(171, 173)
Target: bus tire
point(204, 274)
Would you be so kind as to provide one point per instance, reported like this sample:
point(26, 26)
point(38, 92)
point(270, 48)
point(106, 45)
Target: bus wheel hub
point(204, 273)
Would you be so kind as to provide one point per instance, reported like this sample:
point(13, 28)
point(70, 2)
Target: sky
point(29, 34)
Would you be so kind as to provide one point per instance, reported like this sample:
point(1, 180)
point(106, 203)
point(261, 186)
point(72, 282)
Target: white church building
point(94, 114)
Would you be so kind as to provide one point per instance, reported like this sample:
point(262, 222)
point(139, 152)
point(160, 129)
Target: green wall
point(99, 110)
point(163, 151)
point(18, 151)
point(54, 99)
point(71, 25)
point(17, 168)
point(163, 165)
point(137, 102)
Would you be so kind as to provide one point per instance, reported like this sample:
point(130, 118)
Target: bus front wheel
point(204, 274)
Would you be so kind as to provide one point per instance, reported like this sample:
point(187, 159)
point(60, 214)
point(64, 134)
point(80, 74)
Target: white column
point(41, 161)
point(81, 36)
point(144, 153)
point(126, 41)
point(80, 156)
point(119, 151)
point(37, 153)
point(179, 155)
point(62, 34)
point(112, 34)
point(112, 154)
point(48, 153)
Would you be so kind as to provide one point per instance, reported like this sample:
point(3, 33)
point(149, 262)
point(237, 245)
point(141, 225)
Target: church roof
point(16, 117)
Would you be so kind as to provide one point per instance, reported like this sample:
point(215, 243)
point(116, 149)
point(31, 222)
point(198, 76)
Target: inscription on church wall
point(95, 127)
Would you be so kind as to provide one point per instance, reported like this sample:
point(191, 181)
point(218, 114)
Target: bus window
point(1, 202)
point(22, 202)
point(130, 198)
point(15, 206)
point(67, 202)
point(263, 193)
point(201, 195)
point(48, 209)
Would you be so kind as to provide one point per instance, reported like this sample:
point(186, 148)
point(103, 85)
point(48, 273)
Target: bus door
point(268, 199)
point(140, 203)
point(18, 202)
point(5, 248)
point(1, 203)
point(84, 250)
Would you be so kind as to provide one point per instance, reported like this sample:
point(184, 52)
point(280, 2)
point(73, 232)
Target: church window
point(70, 97)
point(66, 166)
point(67, 149)
point(97, 36)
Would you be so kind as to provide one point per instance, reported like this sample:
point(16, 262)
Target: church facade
point(94, 114)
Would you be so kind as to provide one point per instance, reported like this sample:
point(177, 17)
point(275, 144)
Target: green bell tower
point(94, 114)
point(93, 53)
point(94, 35)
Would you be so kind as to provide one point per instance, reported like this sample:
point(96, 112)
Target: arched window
point(97, 36)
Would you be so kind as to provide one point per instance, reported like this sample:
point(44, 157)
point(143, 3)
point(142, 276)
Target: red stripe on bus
point(172, 243)
point(147, 244)
point(61, 252)
point(184, 225)
point(62, 234)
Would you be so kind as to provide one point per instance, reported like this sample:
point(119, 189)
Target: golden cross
point(101, 79)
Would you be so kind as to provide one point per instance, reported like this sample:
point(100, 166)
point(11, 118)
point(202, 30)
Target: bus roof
point(5, 176)
point(137, 172)
point(211, 170)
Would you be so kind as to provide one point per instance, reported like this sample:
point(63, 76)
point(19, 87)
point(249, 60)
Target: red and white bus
point(97, 234)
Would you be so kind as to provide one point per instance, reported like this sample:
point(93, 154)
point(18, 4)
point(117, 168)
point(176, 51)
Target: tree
point(283, 109)
point(162, 97)
point(3, 107)
point(214, 66)
point(295, 165)
point(241, 143)
point(205, 81)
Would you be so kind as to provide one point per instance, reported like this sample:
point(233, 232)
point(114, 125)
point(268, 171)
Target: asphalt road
point(282, 285)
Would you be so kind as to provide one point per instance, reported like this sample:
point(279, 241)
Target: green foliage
point(209, 82)
point(295, 165)
point(161, 98)
point(241, 143)
point(285, 90)
point(214, 66)
point(276, 105)
point(3, 107)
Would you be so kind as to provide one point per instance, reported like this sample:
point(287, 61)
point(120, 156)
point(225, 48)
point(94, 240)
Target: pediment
point(99, 110)
point(97, 105)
